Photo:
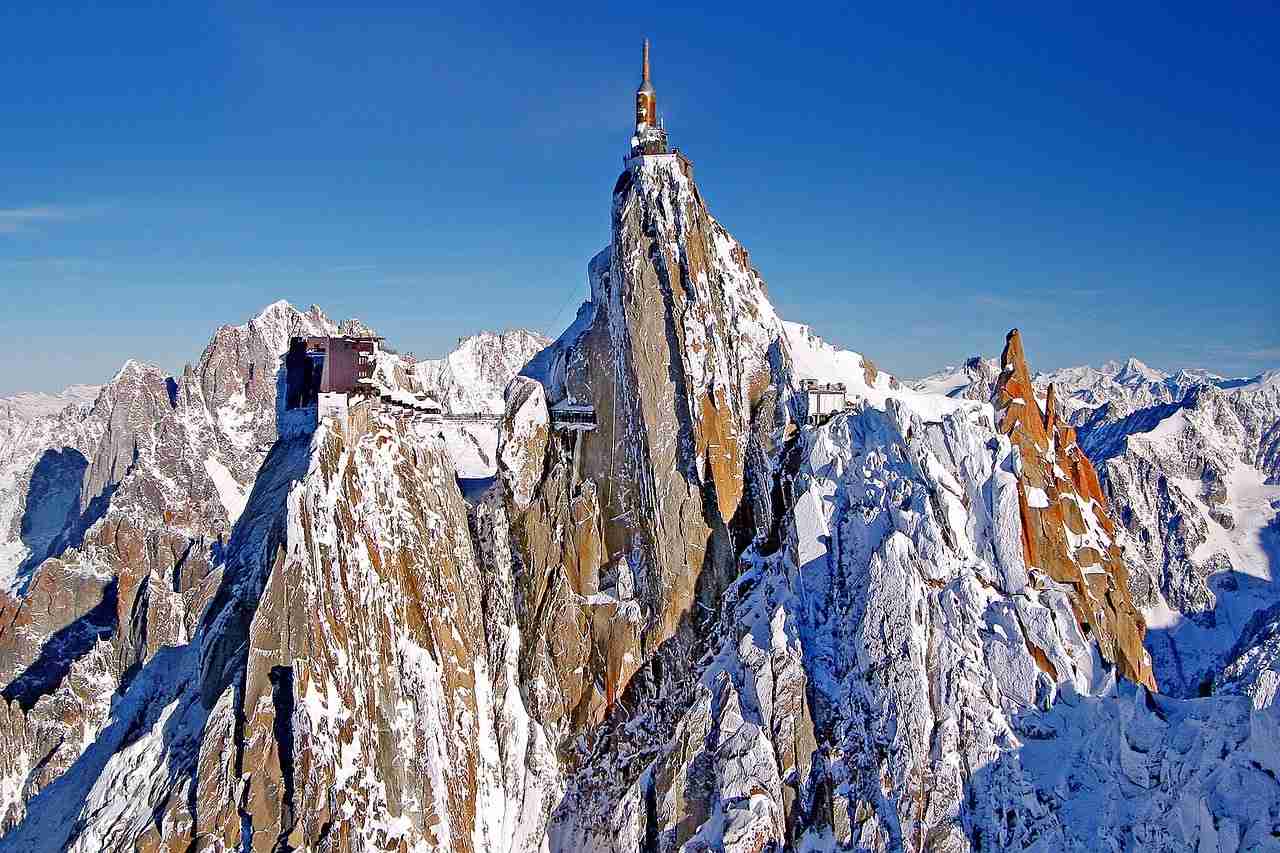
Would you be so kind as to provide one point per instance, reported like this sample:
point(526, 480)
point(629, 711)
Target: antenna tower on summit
point(650, 137)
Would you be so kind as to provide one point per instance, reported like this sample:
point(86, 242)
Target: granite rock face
point(1067, 533)
point(637, 524)
point(336, 692)
point(118, 515)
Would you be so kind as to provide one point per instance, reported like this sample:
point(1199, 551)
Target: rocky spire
point(648, 513)
point(1067, 532)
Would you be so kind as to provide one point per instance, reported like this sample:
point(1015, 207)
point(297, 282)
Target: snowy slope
point(470, 381)
point(471, 378)
point(1195, 485)
point(974, 379)
point(1191, 464)
point(814, 358)
point(37, 404)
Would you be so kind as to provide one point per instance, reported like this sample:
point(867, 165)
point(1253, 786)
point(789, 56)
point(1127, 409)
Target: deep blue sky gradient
point(911, 179)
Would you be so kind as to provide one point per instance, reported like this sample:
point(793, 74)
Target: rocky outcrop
point(677, 354)
point(1190, 465)
point(120, 515)
point(522, 453)
point(1067, 533)
point(337, 692)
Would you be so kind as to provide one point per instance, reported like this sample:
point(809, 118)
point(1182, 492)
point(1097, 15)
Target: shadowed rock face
point(337, 691)
point(130, 537)
point(1066, 530)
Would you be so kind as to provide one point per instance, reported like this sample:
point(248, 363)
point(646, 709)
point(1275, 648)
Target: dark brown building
point(328, 365)
point(348, 362)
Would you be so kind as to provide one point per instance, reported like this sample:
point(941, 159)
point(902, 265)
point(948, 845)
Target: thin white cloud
point(1263, 355)
point(1246, 353)
point(15, 220)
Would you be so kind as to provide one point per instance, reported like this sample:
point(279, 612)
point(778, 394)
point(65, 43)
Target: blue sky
point(912, 180)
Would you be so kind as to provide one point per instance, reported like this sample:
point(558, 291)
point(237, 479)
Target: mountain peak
point(1067, 532)
point(1136, 371)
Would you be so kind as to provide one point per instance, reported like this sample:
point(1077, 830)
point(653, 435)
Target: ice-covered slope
point(471, 378)
point(38, 404)
point(1196, 485)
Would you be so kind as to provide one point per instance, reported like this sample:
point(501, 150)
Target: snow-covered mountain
point(1121, 387)
point(1125, 388)
point(36, 404)
point(115, 514)
point(471, 379)
point(1190, 462)
point(1196, 484)
point(706, 624)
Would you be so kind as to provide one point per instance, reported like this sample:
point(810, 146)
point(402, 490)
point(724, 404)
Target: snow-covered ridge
point(471, 378)
point(1124, 386)
point(34, 404)
point(1190, 462)
point(814, 358)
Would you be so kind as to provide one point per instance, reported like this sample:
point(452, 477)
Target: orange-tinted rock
point(1066, 529)
point(674, 359)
